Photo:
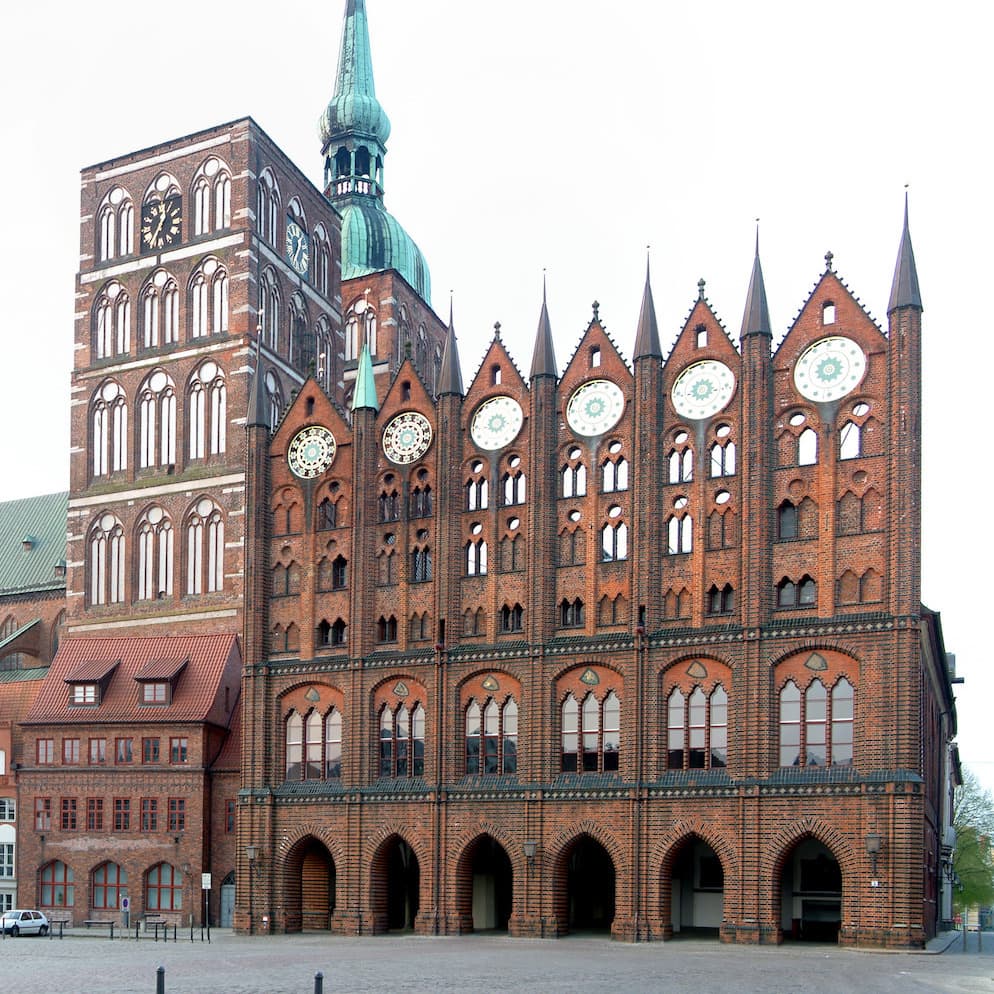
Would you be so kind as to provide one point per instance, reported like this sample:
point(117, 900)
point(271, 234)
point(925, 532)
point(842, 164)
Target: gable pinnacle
point(544, 356)
point(364, 394)
point(756, 319)
point(700, 289)
point(647, 336)
point(904, 291)
point(829, 256)
point(449, 374)
point(258, 414)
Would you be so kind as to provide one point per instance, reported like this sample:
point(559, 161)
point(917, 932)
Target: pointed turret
point(544, 356)
point(364, 394)
point(756, 319)
point(904, 291)
point(450, 375)
point(258, 409)
point(647, 336)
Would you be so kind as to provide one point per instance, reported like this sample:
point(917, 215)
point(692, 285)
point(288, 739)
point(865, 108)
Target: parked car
point(22, 922)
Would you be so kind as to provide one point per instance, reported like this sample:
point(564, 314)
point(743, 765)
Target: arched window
point(807, 447)
point(116, 225)
point(108, 884)
point(155, 555)
point(571, 613)
point(721, 600)
point(402, 742)
point(294, 746)
point(422, 503)
point(208, 300)
point(825, 735)
point(680, 460)
point(157, 421)
point(680, 534)
point(109, 419)
point(512, 618)
point(513, 485)
point(593, 730)
point(574, 479)
point(476, 491)
point(112, 321)
point(614, 474)
point(389, 505)
point(164, 888)
point(360, 328)
point(204, 548)
point(212, 197)
point(850, 441)
point(160, 311)
point(207, 405)
point(269, 201)
point(614, 542)
point(786, 520)
point(723, 459)
point(697, 729)
point(386, 629)
point(421, 564)
point(105, 568)
point(476, 557)
point(57, 885)
point(492, 738)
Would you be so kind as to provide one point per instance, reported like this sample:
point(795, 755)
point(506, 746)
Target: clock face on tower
point(311, 452)
point(297, 247)
point(161, 223)
point(703, 389)
point(406, 438)
point(829, 369)
point(595, 407)
point(496, 423)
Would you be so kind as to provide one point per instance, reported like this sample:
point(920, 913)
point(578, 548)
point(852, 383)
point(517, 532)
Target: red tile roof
point(212, 663)
point(92, 671)
point(161, 669)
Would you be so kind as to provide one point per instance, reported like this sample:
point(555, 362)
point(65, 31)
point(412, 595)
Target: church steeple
point(904, 291)
point(544, 356)
point(354, 127)
point(647, 336)
point(450, 376)
point(756, 319)
point(364, 392)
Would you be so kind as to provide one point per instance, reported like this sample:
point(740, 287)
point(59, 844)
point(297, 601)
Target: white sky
point(565, 135)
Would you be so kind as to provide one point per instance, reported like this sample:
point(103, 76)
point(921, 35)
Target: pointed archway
point(311, 883)
point(589, 877)
point(396, 886)
point(694, 882)
point(810, 893)
point(484, 882)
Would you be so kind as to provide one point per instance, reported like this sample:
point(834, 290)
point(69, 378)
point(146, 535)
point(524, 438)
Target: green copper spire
point(364, 394)
point(354, 108)
point(354, 131)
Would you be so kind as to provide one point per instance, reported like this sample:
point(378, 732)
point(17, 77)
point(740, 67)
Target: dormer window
point(88, 682)
point(156, 692)
point(85, 694)
point(157, 680)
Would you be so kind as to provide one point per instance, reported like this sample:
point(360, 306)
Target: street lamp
point(874, 843)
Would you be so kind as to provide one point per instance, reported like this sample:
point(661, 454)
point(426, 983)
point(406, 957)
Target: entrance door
point(228, 901)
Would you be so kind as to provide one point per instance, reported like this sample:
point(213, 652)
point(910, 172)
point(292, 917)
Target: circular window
point(575, 453)
point(614, 448)
point(422, 535)
point(574, 515)
point(680, 437)
point(680, 502)
point(722, 497)
point(797, 419)
point(477, 467)
point(514, 462)
point(476, 528)
point(614, 511)
point(390, 538)
point(723, 431)
point(860, 409)
point(513, 523)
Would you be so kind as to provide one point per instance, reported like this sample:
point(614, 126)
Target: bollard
point(160, 980)
point(319, 983)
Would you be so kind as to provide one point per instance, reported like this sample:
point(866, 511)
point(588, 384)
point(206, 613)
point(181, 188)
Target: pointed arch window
point(850, 441)
point(155, 555)
point(513, 486)
point(492, 738)
point(697, 729)
point(209, 300)
point(571, 613)
point(207, 403)
point(807, 447)
point(614, 542)
point(160, 311)
point(109, 421)
point(157, 421)
point(512, 618)
point(723, 459)
point(105, 569)
point(476, 557)
point(57, 885)
point(591, 734)
point(574, 480)
point(205, 548)
point(109, 883)
point(116, 225)
point(212, 197)
point(680, 460)
point(164, 888)
point(112, 322)
point(421, 564)
point(476, 493)
point(614, 473)
point(804, 593)
point(402, 742)
point(824, 735)
point(680, 534)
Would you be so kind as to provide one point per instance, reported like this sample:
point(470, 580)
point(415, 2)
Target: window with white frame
point(205, 548)
point(105, 565)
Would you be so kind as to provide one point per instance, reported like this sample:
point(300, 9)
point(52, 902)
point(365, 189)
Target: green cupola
point(354, 131)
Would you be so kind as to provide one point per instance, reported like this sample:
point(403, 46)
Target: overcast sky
point(565, 136)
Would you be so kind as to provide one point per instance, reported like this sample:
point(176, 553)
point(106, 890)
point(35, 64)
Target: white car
point(21, 922)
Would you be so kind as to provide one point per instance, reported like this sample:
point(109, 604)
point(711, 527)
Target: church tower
point(386, 286)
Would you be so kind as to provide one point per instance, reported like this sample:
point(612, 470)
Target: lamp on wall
point(529, 847)
point(874, 843)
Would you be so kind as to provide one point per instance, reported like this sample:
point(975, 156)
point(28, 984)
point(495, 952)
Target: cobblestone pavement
point(231, 964)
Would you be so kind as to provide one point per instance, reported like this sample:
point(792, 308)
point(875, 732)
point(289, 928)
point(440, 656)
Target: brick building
point(624, 646)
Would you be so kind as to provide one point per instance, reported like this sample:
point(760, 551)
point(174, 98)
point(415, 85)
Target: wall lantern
point(874, 843)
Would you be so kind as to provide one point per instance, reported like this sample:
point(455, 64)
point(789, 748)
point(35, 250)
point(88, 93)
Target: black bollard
point(160, 980)
point(318, 982)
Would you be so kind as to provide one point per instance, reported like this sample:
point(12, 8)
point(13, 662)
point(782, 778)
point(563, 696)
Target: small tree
point(973, 819)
